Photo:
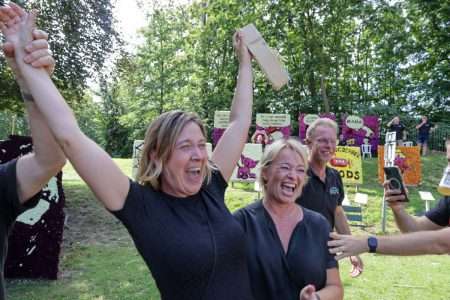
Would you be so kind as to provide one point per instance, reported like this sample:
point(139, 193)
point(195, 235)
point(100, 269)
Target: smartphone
point(395, 179)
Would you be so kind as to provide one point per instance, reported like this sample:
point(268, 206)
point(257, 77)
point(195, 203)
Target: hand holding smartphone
point(395, 179)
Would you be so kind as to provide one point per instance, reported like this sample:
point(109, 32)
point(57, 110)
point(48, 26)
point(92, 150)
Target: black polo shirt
point(323, 197)
point(440, 214)
point(398, 128)
point(275, 274)
point(10, 208)
point(424, 130)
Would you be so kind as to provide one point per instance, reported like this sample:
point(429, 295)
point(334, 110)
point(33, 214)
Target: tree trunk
point(323, 90)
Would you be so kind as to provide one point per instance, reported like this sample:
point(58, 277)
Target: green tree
point(81, 36)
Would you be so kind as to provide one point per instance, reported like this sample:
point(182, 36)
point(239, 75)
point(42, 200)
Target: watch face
point(373, 243)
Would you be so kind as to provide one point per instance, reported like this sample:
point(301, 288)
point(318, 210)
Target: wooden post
point(13, 124)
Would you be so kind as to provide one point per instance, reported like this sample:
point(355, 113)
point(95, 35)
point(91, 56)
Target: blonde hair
point(320, 122)
point(159, 142)
point(272, 151)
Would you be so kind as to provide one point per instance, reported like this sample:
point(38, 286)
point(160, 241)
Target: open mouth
point(194, 171)
point(288, 187)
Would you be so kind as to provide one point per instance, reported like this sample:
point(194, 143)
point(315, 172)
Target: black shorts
point(422, 139)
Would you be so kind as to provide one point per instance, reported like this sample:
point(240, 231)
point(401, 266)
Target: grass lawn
point(99, 260)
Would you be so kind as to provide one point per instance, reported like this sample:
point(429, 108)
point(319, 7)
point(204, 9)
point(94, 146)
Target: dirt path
point(88, 222)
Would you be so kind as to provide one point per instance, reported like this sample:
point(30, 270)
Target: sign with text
point(221, 122)
point(407, 159)
point(275, 126)
point(347, 161)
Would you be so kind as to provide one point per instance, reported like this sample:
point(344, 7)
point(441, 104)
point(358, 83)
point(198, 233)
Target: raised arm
point(34, 170)
point(93, 164)
point(229, 149)
point(390, 123)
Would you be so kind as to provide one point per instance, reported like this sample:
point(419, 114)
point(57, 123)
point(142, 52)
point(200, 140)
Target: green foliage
point(12, 123)
point(81, 37)
point(117, 141)
point(90, 118)
point(376, 57)
point(372, 57)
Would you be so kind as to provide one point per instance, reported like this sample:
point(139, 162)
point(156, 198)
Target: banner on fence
point(408, 161)
point(347, 161)
point(248, 165)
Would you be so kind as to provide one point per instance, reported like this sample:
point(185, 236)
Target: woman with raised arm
point(287, 244)
point(175, 213)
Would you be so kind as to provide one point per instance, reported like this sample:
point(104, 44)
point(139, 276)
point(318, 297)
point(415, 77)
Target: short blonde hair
point(159, 142)
point(272, 151)
point(320, 122)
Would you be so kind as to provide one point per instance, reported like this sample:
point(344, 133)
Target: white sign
point(273, 120)
point(309, 119)
point(354, 122)
point(221, 119)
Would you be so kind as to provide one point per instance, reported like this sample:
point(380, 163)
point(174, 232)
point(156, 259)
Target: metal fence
point(436, 141)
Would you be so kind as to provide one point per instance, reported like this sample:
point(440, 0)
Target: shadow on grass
point(93, 272)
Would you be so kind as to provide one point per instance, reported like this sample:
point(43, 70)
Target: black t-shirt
point(323, 197)
point(398, 128)
point(10, 208)
point(193, 246)
point(440, 214)
point(275, 274)
point(424, 130)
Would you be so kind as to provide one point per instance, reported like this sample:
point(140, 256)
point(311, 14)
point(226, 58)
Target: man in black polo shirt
point(424, 128)
point(22, 179)
point(429, 234)
point(324, 190)
point(399, 128)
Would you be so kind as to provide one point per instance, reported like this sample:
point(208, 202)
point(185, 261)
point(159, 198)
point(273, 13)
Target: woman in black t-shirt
point(176, 212)
point(287, 245)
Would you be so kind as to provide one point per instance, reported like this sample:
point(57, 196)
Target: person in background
point(424, 128)
point(22, 179)
point(396, 126)
point(287, 244)
point(175, 211)
point(324, 191)
point(428, 234)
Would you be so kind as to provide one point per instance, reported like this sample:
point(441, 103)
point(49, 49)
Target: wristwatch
point(372, 242)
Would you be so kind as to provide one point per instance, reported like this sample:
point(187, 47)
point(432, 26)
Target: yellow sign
point(347, 161)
